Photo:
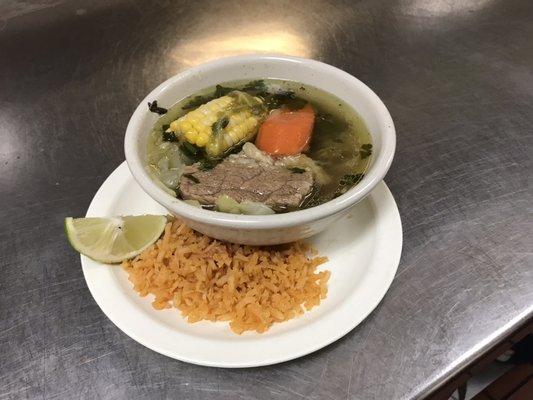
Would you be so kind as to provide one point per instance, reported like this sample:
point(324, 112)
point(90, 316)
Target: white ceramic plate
point(363, 249)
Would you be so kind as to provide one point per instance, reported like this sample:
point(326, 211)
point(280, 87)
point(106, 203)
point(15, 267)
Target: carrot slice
point(286, 132)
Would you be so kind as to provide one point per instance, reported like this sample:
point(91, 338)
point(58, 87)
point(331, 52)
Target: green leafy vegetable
point(297, 170)
point(195, 154)
point(346, 182)
point(258, 86)
point(169, 137)
point(283, 98)
point(190, 149)
point(222, 91)
point(196, 102)
point(153, 107)
point(366, 150)
point(219, 126)
point(351, 179)
point(207, 164)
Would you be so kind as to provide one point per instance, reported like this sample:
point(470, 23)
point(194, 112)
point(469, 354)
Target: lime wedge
point(112, 240)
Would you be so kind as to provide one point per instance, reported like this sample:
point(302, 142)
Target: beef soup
point(259, 147)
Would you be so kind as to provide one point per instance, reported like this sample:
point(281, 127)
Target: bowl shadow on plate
point(346, 231)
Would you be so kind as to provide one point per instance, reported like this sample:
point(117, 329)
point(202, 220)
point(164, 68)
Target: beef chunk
point(245, 178)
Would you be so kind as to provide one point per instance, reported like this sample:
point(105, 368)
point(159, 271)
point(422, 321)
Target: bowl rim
point(373, 176)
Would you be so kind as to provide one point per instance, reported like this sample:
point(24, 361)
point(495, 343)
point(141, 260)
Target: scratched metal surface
point(457, 77)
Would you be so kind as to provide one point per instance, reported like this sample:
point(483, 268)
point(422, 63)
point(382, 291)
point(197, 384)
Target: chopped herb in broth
point(347, 182)
point(204, 134)
point(366, 150)
point(153, 107)
point(169, 137)
point(350, 179)
point(220, 125)
point(190, 150)
point(195, 102)
point(297, 170)
point(284, 99)
point(258, 86)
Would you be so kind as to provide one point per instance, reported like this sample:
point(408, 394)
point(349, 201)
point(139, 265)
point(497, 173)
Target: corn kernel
point(190, 136)
point(185, 126)
point(202, 139)
point(174, 125)
point(229, 141)
point(196, 126)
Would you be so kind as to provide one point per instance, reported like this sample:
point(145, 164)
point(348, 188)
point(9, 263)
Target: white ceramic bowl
point(264, 229)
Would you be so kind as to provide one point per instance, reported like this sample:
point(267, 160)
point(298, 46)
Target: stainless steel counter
point(457, 77)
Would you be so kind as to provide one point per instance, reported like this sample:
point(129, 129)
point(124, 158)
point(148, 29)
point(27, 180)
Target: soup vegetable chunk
point(258, 147)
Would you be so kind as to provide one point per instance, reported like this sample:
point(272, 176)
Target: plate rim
point(121, 174)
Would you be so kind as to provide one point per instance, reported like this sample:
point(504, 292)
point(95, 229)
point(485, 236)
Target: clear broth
point(340, 144)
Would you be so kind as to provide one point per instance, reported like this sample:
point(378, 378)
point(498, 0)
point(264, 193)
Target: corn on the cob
point(221, 123)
